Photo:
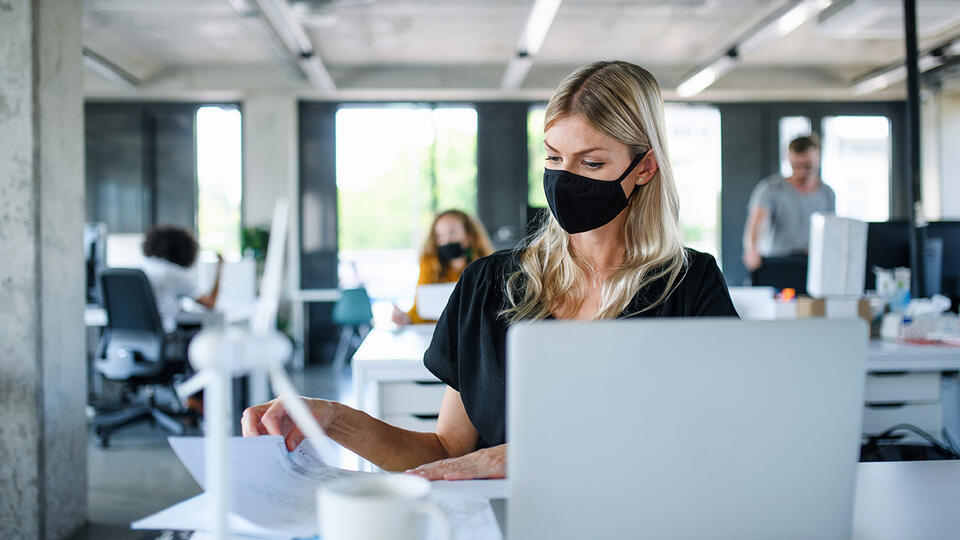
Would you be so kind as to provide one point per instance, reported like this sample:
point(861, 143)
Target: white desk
point(301, 317)
point(390, 356)
point(890, 356)
point(916, 500)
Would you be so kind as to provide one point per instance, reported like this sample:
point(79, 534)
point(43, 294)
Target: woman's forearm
point(388, 447)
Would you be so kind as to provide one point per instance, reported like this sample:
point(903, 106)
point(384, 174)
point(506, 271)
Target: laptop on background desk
point(682, 429)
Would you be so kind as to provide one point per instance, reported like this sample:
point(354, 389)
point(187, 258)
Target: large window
point(854, 161)
point(219, 184)
point(397, 166)
point(791, 127)
point(693, 136)
point(856, 164)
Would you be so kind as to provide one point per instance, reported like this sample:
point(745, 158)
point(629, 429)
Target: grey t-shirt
point(788, 229)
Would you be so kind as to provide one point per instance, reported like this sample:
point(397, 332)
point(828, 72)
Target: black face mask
point(582, 204)
point(449, 252)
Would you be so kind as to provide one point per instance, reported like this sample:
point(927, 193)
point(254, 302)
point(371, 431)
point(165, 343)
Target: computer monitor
point(888, 246)
point(94, 257)
point(788, 272)
point(949, 232)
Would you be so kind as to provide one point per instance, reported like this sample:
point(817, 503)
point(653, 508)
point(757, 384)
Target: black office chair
point(135, 350)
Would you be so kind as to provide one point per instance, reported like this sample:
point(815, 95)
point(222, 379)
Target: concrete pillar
point(42, 364)
point(270, 150)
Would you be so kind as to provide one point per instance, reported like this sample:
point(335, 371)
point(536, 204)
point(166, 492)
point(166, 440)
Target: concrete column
point(42, 364)
point(270, 150)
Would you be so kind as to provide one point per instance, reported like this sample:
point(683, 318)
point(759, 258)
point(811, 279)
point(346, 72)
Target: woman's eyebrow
point(581, 152)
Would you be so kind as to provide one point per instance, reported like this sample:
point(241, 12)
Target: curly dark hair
point(171, 243)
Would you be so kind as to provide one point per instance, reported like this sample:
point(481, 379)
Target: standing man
point(778, 222)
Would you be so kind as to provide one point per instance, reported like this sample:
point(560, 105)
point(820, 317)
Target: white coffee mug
point(378, 506)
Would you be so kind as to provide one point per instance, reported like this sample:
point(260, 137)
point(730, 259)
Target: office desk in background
point(300, 312)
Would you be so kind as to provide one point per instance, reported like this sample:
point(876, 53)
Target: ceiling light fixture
point(534, 33)
point(782, 22)
point(282, 22)
point(891, 75)
point(108, 70)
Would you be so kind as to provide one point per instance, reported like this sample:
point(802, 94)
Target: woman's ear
point(646, 168)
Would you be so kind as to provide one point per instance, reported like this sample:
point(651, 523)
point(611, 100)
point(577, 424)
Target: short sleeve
point(762, 196)
point(183, 281)
point(713, 297)
point(441, 356)
point(831, 200)
point(462, 338)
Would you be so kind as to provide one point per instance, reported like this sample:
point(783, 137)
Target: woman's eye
point(553, 159)
point(593, 164)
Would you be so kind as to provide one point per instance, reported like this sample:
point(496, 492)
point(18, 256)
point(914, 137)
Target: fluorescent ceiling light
point(282, 21)
point(534, 33)
point(696, 83)
point(108, 70)
point(538, 25)
point(884, 78)
point(281, 17)
point(316, 73)
point(781, 23)
point(785, 20)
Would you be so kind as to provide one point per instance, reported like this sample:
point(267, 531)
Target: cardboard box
point(833, 308)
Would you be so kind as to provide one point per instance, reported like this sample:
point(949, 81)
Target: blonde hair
point(622, 101)
point(478, 242)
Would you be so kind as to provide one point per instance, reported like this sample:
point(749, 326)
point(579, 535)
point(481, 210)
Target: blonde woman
point(611, 249)
point(454, 241)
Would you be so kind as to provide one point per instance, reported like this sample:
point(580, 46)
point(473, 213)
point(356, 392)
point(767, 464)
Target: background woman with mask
point(454, 241)
point(611, 249)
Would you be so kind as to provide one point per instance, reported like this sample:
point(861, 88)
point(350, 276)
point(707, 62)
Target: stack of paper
point(274, 493)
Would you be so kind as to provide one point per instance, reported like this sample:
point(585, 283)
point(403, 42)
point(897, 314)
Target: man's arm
point(755, 221)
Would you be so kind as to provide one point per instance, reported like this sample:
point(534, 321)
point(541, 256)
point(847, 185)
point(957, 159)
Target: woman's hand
point(400, 318)
point(486, 463)
point(271, 418)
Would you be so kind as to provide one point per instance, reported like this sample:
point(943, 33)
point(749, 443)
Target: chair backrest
point(133, 323)
point(129, 301)
point(353, 308)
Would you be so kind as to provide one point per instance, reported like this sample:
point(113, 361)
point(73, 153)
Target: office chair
point(353, 314)
point(135, 350)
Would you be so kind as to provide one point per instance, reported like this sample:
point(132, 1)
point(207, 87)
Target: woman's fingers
point(275, 419)
point(250, 425)
point(486, 463)
point(271, 418)
point(293, 439)
point(436, 470)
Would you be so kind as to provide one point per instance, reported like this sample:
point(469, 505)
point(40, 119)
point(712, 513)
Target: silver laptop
point(432, 298)
point(682, 429)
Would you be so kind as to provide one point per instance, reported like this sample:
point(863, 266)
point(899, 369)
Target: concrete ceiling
point(458, 49)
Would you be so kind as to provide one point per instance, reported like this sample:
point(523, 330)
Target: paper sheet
point(274, 493)
point(272, 488)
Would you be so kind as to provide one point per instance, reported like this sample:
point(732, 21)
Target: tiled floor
point(139, 473)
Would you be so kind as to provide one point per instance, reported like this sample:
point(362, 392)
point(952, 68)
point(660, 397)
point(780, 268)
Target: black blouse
point(468, 350)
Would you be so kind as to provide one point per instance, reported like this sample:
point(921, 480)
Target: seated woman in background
point(455, 240)
point(169, 265)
